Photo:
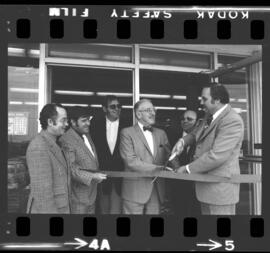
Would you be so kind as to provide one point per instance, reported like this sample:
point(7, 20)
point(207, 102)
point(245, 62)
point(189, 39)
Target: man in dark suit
point(183, 197)
point(49, 176)
point(143, 148)
point(105, 133)
point(218, 141)
point(82, 161)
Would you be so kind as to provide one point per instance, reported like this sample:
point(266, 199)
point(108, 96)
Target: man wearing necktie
point(218, 141)
point(82, 161)
point(143, 148)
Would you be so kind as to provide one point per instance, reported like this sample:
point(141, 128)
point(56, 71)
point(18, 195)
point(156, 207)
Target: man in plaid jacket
point(82, 160)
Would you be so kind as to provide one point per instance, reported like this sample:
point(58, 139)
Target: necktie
point(148, 128)
point(209, 120)
point(88, 145)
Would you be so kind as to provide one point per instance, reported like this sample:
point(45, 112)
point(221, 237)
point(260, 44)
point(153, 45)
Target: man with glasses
point(183, 192)
point(218, 140)
point(82, 161)
point(105, 131)
point(49, 175)
point(143, 148)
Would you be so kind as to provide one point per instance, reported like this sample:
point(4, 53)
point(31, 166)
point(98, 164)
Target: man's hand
point(178, 147)
point(99, 177)
point(181, 169)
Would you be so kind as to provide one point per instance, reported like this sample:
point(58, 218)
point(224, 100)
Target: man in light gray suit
point(218, 140)
point(144, 149)
point(82, 161)
point(49, 177)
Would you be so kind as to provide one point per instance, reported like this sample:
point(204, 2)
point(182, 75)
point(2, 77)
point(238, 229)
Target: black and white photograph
point(134, 129)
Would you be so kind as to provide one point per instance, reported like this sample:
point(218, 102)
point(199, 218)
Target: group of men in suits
point(65, 166)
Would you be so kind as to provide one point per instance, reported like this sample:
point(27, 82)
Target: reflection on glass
point(174, 58)
point(237, 86)
point(88, 87)
point(120, 53)
point(22, 127)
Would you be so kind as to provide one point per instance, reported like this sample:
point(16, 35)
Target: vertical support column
point(215, 66)
point(255, 91)
point(136, 76)
point(42, 82)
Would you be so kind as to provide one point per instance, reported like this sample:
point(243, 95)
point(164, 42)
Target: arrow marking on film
point(81, 243)
point(212, 245)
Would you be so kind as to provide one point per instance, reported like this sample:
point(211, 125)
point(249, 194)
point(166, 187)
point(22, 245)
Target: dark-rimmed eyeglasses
point(149, 110)
point(116, 106)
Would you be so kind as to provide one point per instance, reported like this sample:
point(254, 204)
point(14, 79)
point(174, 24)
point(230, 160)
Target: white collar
point(218, 112)
point(112, 122)
point(140, 125)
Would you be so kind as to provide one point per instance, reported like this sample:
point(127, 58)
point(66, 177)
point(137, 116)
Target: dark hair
point(76, 112)
point(48, 112)
point(108, 99)
point(218, 92)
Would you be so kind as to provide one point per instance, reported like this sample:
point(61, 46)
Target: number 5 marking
point(229, 245)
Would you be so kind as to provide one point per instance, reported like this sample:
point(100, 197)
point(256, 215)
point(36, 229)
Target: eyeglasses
point(149, 110)
point(188, 119)
point(115, 106)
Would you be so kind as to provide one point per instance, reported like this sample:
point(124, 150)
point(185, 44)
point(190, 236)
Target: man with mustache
point(49, 175)
point(218, 141)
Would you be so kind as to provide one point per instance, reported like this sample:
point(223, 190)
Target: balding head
point(145, 112)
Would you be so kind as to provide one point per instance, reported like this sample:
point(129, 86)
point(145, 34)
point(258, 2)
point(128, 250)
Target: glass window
point(91, 51)
point(237, 86)
point(88, 87)
point(174, 58)
point(22, 107)
point(23, 75)
point(223, 60)
point(171, 94)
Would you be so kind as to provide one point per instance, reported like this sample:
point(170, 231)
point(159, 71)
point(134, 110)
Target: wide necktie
point(88, 145)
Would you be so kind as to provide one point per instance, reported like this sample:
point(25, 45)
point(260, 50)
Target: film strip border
point(110, 24)
point(157, 233)
point(123, 31)
point(123, 233)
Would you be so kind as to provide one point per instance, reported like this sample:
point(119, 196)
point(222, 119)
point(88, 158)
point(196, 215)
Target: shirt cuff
point(187, 169)
point(183, 142)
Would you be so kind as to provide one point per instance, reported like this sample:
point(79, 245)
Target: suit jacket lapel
point(118, 135)
point(93, 148)
point(54, 148)
point(81, 143)
point(104, 133)
point(142, 138)
point(155, 140)
point(213, 124)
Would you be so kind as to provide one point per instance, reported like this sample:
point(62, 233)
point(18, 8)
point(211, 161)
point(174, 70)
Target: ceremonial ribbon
point(242, 178)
